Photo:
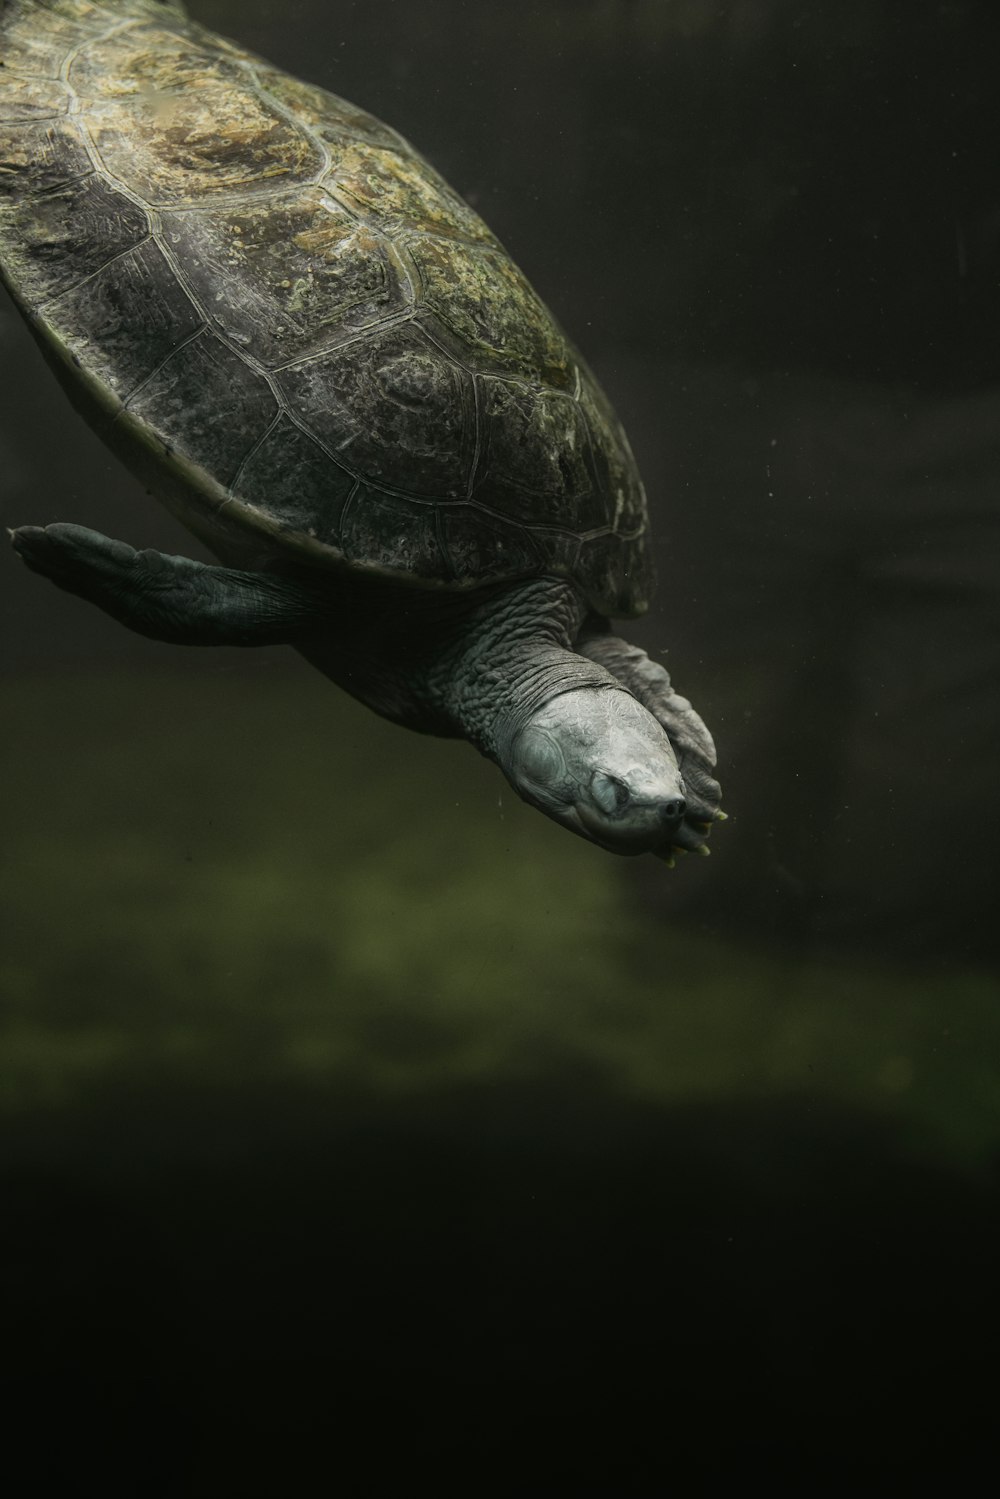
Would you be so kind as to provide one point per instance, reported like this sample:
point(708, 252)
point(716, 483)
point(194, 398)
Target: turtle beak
point(637, 828)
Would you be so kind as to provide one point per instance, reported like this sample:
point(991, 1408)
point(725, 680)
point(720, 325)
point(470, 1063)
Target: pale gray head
point(595, 760)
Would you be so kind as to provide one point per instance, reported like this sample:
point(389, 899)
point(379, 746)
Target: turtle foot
point(690, 740)
point(77, 559)
point(170, 598)
point(146, 591)
point(695, 751)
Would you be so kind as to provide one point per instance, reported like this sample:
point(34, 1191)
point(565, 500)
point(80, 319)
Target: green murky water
point(255, 881)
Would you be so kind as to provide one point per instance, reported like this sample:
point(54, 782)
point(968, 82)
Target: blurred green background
point(364, 1131)
point(244, 878)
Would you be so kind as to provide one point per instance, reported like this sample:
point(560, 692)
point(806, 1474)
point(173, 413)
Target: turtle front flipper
point(170, 598)
point(692, 743)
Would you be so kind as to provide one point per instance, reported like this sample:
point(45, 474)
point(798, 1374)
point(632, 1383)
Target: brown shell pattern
point(273, 294)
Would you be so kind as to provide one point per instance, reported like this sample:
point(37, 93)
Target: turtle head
point(595, 760)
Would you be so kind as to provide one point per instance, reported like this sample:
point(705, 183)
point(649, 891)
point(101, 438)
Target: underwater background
point(360, 1127)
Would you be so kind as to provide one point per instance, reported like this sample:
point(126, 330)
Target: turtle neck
point(514, 655)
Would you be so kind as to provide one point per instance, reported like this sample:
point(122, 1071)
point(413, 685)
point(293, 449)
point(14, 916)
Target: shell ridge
point(479, 443)
point(217, 333)
point(414, 273)
point(404, 266)
point(342, 201)
point(453, 236)
point(349, 505)
point(360, 335)
point(68, 291)
point(34, 119)
point(421, 321)
point(75, 112)
point(232, 200)
point(442, 545)
point(138, 389)
point(176, 27)
point(324, 447)
point(27, 77)
point(51, 189)
point(446, 504)
point(248, 456)
point(82, 46)
point(291, 117)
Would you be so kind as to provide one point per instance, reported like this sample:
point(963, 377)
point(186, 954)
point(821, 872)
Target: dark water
point(362, 1129)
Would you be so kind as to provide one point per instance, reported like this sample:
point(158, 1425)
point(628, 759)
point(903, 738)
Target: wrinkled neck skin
point(515, 655)
point(475, 666)
point(500, 670)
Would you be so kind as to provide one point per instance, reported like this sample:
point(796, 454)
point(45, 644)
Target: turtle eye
point(610, 794)
point(539, 756)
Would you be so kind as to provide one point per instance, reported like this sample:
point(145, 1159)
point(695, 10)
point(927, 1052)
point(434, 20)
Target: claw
point(704, 850)
point(721, 816)
point(685, 836)
point(676, 849)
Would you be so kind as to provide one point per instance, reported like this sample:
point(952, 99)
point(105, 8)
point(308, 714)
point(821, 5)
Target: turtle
point(317, 356)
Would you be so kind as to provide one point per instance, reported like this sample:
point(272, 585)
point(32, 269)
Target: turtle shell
point(293, 329)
